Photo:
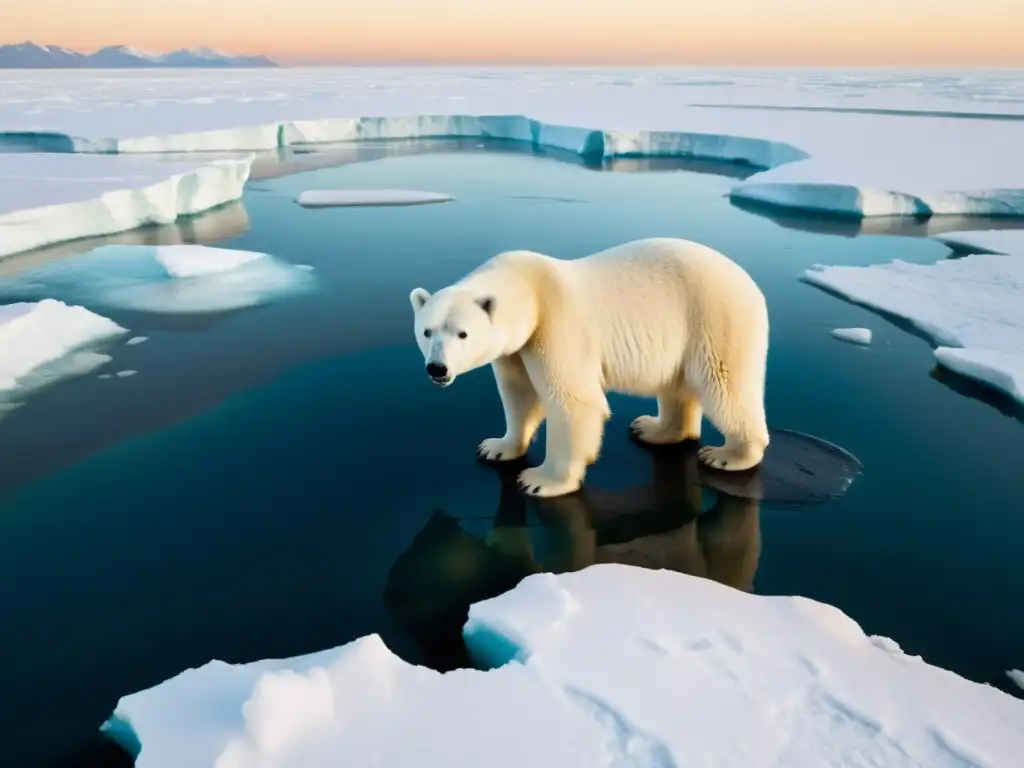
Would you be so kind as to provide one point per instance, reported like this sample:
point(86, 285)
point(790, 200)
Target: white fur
point(661, 317)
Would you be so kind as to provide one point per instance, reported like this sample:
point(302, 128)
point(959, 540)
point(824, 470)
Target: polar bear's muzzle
point(439, 374)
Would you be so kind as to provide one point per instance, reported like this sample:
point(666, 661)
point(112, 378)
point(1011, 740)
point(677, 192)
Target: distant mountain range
point(33, 56)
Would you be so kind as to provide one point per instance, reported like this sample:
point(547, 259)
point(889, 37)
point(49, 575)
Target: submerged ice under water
point(279, 480)
point(163, 279)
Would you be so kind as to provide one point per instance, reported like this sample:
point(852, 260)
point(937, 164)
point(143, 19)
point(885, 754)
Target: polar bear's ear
point(486, 304)
point(418, 298)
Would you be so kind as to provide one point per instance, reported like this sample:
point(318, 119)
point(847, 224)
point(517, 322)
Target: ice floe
point(162, 279)
point(860, 336)
point(971, 308)
point(34, 334)
point(985, 241)
point(613, 665)
point(330, 198)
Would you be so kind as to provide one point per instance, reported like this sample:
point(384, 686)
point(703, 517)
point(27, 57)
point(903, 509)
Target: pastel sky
point(713, 32)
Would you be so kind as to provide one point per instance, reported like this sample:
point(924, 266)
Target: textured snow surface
point(33, 334)
point(613, 666)
point(971, 308)
point(327, 198)
point(50, 198)
point(856, 143)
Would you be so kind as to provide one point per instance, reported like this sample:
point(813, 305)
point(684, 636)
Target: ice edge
point(835, 199)
point(119, 210)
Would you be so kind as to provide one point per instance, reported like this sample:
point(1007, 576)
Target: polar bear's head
point(455, 330)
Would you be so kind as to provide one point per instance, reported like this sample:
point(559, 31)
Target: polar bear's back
point(652, 305)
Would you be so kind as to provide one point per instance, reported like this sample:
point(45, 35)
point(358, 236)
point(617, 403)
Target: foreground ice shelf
point(609, 666)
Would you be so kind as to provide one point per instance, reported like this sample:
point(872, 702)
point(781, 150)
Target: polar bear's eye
point(462, 334)
point(426, 333)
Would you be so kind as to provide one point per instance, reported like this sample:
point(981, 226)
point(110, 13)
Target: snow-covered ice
point(613, 665)
point(985, 241)
point(162, 279)
point(873, 144)
point(33, 334)
point(860, 336)
point(972, 308)
point(50, 198)
point(329, 198)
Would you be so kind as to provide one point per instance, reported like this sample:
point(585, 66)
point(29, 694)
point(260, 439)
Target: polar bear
point(660, 317)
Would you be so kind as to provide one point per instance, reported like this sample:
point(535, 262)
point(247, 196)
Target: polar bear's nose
point(437, 371)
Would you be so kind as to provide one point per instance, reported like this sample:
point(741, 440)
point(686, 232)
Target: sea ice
point(162, 279)
point(972, 308)
point(126, 373)
point(134, 340)
point(853, 335)
point(34, 334)
point(50, 198)
point(822, 151)
point(329, 198)
point(985, 241)
point(612, 665)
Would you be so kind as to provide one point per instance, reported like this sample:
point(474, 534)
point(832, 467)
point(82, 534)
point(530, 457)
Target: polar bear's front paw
point(499, 449)
point(650, 429)
point(538, 482)
point(733, 459)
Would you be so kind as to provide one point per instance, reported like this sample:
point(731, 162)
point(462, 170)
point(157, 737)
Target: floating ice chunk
point(614, 666)
point(162, 279)
point(198, 260)
point(985, 241)
point(355, 705)
point(972, 308)
point(126, 373)
point(853, 335)
point(1017, 677)
point(305, 267)
point(33, 334)
point(329, 198)
point(135, 340)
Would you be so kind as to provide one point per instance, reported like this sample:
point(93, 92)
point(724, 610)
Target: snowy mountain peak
point(30, 55)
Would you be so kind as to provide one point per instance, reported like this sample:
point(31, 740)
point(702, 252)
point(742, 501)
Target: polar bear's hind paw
point(731, 458)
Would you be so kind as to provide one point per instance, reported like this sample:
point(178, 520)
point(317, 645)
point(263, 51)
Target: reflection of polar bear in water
point(660, 317)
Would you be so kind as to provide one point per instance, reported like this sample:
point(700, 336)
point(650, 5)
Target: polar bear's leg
point(736, 407)
point(523, 408)
point(678, 419)
point(573, 441)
